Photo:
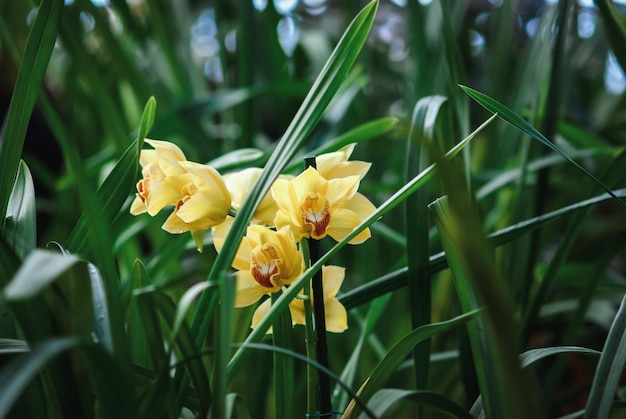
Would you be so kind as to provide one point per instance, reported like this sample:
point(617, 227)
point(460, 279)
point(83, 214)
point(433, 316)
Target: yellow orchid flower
point(266, 261)
point(163, 178)
point(204, 201)
point(315, 207)
point(335, 313)
point(336, 165)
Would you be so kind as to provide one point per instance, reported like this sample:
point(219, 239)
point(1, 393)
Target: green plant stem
point(321, 346)
point(311, 384)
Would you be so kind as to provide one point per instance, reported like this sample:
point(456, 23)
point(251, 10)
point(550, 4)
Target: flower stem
point(311, 384)
point(320, 320)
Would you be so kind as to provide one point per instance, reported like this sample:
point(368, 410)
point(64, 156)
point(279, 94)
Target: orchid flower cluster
point(320, 202)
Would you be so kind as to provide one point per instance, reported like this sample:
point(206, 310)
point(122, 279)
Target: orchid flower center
point(264, 265)
point(187, 192)
point(315, 211)
point(143, 189)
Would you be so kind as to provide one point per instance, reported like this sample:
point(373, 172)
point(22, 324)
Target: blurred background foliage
point(231, 75)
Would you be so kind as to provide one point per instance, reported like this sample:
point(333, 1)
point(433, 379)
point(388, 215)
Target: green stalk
point(284, 379)
point(311, 384)
point(321, 346)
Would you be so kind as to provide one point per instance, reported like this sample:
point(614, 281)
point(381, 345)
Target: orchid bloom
point(315, 207)
point(335, 313)
point(266, 261)
point(203, 202)
point(163, 178)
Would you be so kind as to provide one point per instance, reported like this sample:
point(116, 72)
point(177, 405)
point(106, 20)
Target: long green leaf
point(15, 376)
point(398, 353)
point(115, 401)
point(39, 270)
point(34, 63)
point(398, 278)
point(615, 27)
point(417, 228)
point(518, 122)
point(21, 229)
point(115, 188)
point(609, 369)
point(384, 399)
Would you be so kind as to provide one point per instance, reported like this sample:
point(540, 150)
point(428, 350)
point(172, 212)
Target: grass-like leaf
point(34, 63)
point(39, 270)
point(423, 123)
point(398, 353)
point(114, 190)
point(21, 228)
point(437, 262)
point(615, 27)
point(387, 397)
point(609, 369)
point(518, 122)
point(116, 401)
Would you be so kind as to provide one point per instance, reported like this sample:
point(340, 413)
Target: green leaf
point(349, 373)
point(17, 374)
point(355, 397)
point(533, 355)
point(116, 187)
point(417, 227)
point(398, 353)
point(21, 231)
point(385, 398)
point(398, 278)
point(187, 350)
point(615, 27)
point(37, 53)
point(115, 401)
point(39, 270)
point(360, 134)
point(236, 407)
point(518, 122)
point(242, 157)
point(609, 368)
point(102, 320)
point(13, 346)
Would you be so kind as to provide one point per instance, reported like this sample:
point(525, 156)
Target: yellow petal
point(220, 231)
point(168, 156)
point(306, 182)
point(296, 307)
point(341, 191)
point(175, 225)
point(146, 157)
point(138, 206)
point(204, 206)
point(240, 183)
point(361, 206)
point(332, 278)
point(206, 178)
point(336, 316)
point(260, 313)
point(248, 291)
point(166, 192)
point(342, 223)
